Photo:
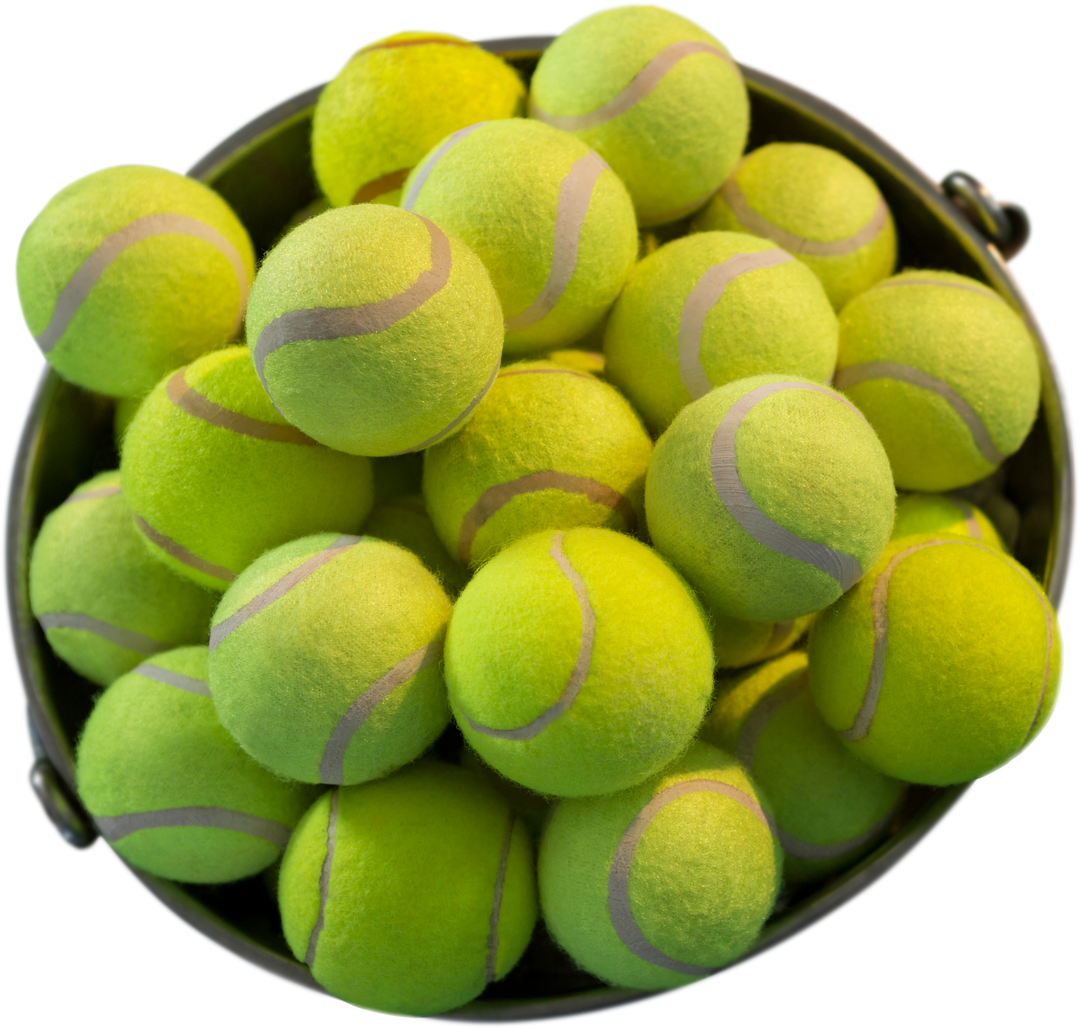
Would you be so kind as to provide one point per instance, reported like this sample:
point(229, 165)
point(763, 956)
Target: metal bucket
point(264, 172)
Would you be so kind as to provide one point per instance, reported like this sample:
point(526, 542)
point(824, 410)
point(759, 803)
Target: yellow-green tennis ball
point(104, 603)
point(404, 521)
point(578, 662)
point(941, 665)
point(123, 416)
point(772, 495)
point(828, 807)
point(579, 360)
point(944, 370)
point(531, 807)
point(708, 309)
point(131, 272)
point(656, 96)
point(215, 476)
point(410, 894)
point(169, 788)
point(738, 643)
point(661, 884)
point(394, 101)
point(325, 659)
point(549, 219)
point(817, 205)
point(918, 513)
point(550, 447)
point(374, 331)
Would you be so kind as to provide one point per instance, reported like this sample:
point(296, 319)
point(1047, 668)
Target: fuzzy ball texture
point(829, 808)
point(124, 414)
point(656, 96)
point(817, 205)
point(393, 101)
point(104, 603)
point(549, 219)
point(941, 665)
point(578, 662)
point(373, 331)
point(216, 476)
point(412, 893)
point(169, 788)
point(918, 513)
point(944, 370)
point(325, 659)
point(550, 447)
point(772, 495)
point(660, 884)
point(738, 643)
point(131, 272)
point(708, 309)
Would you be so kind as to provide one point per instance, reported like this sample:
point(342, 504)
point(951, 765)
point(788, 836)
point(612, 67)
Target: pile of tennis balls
point(664, 394)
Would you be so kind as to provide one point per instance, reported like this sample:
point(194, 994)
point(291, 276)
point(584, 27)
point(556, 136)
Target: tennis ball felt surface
point(739, 643)
point(944, 370)
point(918, 513)
point(708, 309)
point(550, 447)
point(104, 603)
point(216, 476)
point(123, 416)
point(655, 886)
point(772, 495)
point(169, 788)
point(425, 894)
point(549, 219)
point(656, 96)
point(828, 807)
point(393, 101)
point(374, 331)
point(131, 272)
point(578, 662)
point(941, 665)
point(324, 659)
point(816, 204)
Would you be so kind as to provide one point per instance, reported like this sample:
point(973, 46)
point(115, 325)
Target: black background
point(975, 923)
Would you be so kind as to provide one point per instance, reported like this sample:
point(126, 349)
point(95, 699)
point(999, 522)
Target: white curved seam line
point(173, 678)
point(422, 175)
point(968, 515)
point(970, 287)
point(223, 629)
point(332, 765)
point(761, 715)
point(780, 632)
point(496, 905)
point(575, 195)
point(118, 636)
point(842, 567)
point(581, 664)
point(183, 554)
point(324, 879)
point(795, 846)
point(622, 917)
point(85, 278)
point(705, 295)
point(122, 825)
point(639, 87)
point(92, 494)
point(854, 374)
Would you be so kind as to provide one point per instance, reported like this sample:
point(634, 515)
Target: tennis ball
point(550, 447)
point(656, 96)
point(410, 894)
point(772, 495)
point(708, 309)
point(169, 789)
point(549, 219)
point(578, 662)
point(739, 643)
point(215, 476)
point(123, 416)
point(944, 370)
point(579, 360)
point(661, 884)
point(918, 513)
point(404, 521)
point(393, 101)
point(324, 659)
point(104, 603)
point(131, 272)
point(531, 807)
point(373, 331)
point(815, 204)
point(941, 665)
point(828, 807)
